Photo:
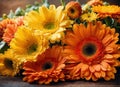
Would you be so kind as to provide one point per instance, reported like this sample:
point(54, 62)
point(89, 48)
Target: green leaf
point(45, 3)
point(3, 46)
point(19, 12)
point(63, 2)
point(34, 7)
point(11, 14)
point(1, 18)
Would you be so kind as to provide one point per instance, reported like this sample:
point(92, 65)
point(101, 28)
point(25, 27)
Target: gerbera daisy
point(105, 11)
point(92, 52)
point(9, 27)
point(4, 24)
point(48, 20)
point(47, 68)
point(73, 9)
point(89, 17)
point(9, 64)
point(27, 44)
point(95, 2)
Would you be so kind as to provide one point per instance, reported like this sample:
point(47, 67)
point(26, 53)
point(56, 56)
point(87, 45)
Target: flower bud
point(73, 9)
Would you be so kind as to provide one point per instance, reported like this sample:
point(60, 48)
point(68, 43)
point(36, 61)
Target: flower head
point(5, 24)
point(8, 28)
point(92, 52)
point(89, 17)
point(105, 11)
point(73, 9)
point(27, 44)
point(47, 68)
point(95, 2)
point(9, 64)
point(50, 20)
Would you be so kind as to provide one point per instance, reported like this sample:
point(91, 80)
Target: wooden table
point(17, 82)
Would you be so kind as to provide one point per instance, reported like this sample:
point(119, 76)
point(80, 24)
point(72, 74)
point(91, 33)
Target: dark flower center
point(72, 10)
point(49, 26)
point(8, 63)
point(89, 49)
point(47, 65)
point(32, 48)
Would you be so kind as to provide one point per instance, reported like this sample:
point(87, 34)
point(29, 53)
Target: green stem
point(77, 0)
point(63, 2)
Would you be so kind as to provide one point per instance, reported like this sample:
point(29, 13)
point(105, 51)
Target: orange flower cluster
point(95, 2)
point(68, 43)
point(8, 27)
point(112, 11)
point(91, 52)
point(48, 67)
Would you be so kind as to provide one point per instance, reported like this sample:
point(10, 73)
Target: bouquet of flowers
point(44, 43)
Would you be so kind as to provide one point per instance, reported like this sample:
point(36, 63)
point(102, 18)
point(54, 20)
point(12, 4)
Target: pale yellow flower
point(89, 17)
point(48, 20)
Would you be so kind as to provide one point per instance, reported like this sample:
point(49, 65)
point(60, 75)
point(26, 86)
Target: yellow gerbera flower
point(9, 64)
point(89, 17)
point(27, 44)
point(48, 67)
point(104, 11)
point(48, 20)
point(92, 52)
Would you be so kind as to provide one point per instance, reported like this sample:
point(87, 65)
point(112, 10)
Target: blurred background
point(7, 5)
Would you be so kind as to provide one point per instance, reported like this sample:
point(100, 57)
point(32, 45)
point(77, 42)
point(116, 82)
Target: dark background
point(7, 5)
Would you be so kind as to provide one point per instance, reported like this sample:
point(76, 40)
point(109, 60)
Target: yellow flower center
point(49, 26)
point(8, 63)
point(89, 49)
point(47, 65)
point(32, 48)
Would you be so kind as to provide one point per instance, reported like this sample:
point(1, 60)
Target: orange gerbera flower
point(4, 24)
point(95, 2)
point(110, 10)
point(91, 52)
point(9, 27)
point(73, 9)
point(47, 68)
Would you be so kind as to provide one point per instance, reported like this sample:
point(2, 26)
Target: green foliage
point(45, 3)
point(3, 46)
point(63, 2)
point(21, 12)
point(34, 7)
point(113, 24)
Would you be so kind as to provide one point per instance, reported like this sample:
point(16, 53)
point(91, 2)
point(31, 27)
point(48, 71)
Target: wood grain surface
point(17, 82)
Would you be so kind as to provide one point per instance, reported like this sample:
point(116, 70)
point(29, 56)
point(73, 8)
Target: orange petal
point(84, 67)
point(108, 56)
point(97, 74)
point(103, 74)
point(88, 77)
point(94, 78)
point(91, 68)
point(97, 67)
point(87, 73)
point(104, 66)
